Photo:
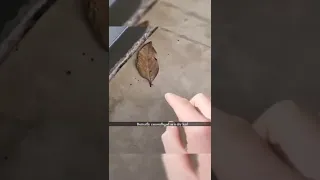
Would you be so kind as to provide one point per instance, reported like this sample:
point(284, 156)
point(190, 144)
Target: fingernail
point(170, 96)
point(167, 95)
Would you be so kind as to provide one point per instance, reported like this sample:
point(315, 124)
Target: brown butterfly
point(147, 63)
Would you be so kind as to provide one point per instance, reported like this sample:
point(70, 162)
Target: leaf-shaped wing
point(147, 63)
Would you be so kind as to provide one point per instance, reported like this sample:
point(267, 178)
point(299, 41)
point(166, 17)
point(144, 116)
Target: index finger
point(198, 138)
point(184, 110)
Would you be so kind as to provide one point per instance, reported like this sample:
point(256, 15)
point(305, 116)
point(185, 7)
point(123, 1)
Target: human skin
point(176, 160)
point(283, 144)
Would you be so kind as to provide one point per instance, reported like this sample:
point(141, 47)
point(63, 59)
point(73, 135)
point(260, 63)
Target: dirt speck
point(68, 73)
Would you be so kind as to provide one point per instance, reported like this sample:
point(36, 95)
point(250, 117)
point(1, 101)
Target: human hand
point(283, 144)
point(176, 160)
point(294, 136)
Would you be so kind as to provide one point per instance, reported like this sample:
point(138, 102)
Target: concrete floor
point(263, 53)
point(54, 101)
point(183, 43)
point(256, 63)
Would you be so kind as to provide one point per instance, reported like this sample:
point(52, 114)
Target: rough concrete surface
point(54, 100)
point(184, 55)
point(53, 95)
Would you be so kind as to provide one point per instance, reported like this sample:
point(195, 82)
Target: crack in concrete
point(188, 13)
point(131, 52)
point(184, 37)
